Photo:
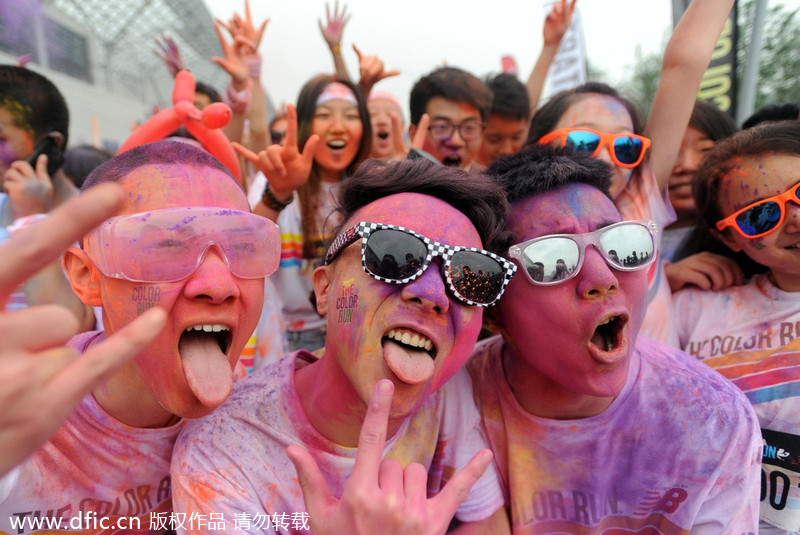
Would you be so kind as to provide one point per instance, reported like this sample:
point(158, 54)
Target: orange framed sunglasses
point(761, 217)
point(626, 150)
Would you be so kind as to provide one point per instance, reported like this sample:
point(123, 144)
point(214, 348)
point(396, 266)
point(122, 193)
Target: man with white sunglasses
point(595, 429)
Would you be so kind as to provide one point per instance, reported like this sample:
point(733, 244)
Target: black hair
point(539, 168)
point(724, 158)
point(727, 155)
point(205, 89)
point(510, 97)
point(81, 160)
point(453, 84)
point(546, 118)
point(788, 111)
point(712, 121)
point(475, 195)
point(308, 193)
point(37, 106)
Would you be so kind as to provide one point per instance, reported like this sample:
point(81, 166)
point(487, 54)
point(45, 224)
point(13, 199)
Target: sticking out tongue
point(411, 366)
point(206, 367)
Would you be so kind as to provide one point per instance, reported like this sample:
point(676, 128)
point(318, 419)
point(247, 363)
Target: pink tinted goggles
point(169, 245)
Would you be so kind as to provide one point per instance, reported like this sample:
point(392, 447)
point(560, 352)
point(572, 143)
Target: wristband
point(237, 100)
point(254, 64)
point(269, 199)
point(336, 49)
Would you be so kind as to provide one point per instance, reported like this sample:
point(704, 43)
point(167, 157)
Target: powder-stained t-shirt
point(678, 450)
point(751, 335)
point(234, 461)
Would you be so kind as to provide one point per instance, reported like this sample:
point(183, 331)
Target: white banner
point(569, 66)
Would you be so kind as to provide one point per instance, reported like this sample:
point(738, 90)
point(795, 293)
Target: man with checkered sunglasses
point(378, 432)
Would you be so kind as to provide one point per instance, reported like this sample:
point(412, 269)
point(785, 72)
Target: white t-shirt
point(751, 335)
point(678, 450)
point(264, 415)
point(641, 199)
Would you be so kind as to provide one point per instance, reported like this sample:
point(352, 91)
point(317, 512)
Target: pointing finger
point(291, 127)
point(397, 134)
point(422, 131)
point(246, 153)
point(310, 148)
point(372, 438)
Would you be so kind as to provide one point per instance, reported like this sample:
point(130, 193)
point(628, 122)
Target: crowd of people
point(493, 316)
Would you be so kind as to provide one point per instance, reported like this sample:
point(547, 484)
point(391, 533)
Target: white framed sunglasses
point(556, 258)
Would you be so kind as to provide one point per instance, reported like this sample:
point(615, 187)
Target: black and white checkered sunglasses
point(398, 255)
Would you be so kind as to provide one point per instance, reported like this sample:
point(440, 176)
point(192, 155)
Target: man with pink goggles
point(186, 243)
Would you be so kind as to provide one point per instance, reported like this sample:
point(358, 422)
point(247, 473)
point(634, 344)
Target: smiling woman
point(326, 137)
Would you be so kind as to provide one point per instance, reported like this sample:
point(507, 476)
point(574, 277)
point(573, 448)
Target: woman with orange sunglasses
point(748, 192)
point(595, 118)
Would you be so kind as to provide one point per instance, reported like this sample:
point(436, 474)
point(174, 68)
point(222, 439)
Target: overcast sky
point(415, 36)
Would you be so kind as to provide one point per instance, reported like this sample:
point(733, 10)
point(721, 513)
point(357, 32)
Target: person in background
point(457, 104)
point(595, 118)
point(34, 127)
point(388, 126)
point(507, 127)
point(332, 129)
point(747, 192)
point(81, 160)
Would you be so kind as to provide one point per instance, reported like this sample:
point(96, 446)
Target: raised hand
point(30, 191)
point(40, 380)
point(246, 28)
point(234, 61)
point(381, 496)
point(334, 26)
point(557, 22)
point(418, 141)
point(285, 166)
point(371, 70)
point(398, 146)
point(168, 52)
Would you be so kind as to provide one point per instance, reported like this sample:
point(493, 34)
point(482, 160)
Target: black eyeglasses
point(469, 129)
point(397, 255)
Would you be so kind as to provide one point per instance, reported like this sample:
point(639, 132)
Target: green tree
point(779, 68)
point(641, 85)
